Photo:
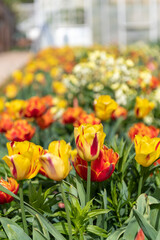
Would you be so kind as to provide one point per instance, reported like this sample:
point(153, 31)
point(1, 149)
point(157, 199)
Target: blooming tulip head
point(72, 114)
point(101, 168)
point(89, 140)
point(45, 120)
point(23, 159)
point(119, 112)
point(143, 130)
point(104, 107)
point(147, 150)
point(35, 107)
point(16, 108)
point(6, 122)
point(12, 186)
point(143, 107)
point(20, 131)
point(56, 161)
point(86, 118)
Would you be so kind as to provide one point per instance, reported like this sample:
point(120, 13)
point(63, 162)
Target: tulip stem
point(88, 182)
point(22, 208)
point(67, 210)
point(140, 181)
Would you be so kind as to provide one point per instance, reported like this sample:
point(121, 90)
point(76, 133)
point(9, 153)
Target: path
point(11, 61)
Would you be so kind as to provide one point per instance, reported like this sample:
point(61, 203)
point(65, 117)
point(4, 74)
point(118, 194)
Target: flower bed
point(79, 134)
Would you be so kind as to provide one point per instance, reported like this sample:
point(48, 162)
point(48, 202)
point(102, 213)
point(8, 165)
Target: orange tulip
point(6, 122)
point(20, 131)
point(12, 186)
point(140, 235)
point(45, 120)
point(142, 130)
point(35, 107)
point(87, 118)
point(72, 114)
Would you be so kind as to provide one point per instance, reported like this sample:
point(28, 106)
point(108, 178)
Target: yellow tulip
point(147, 150)
point(15, 108)
point(59, 87)
point(89, 140)
point(56, 161)
point(23, 159)
point(11, 90)
point(143, 107)
point(2, 104)
point(17, 76)
point(104, 106)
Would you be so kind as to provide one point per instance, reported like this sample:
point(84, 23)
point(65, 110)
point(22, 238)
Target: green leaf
point(37, 235)
point(158, 235)
point(34, 212)
point(81, 190)
point(97, 230)
point(3, 235)
point(117, 234)
point(13, 230)
point(62, 227)
point(148, 230)
point(97, 212)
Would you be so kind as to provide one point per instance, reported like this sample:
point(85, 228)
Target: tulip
point(101, 168)
point(23, 159)
point(6, 122)
point(45, 120)
point(35, 107)
point(140, 235)
point(86, 118)
point(2, 104)
point(89, 140)
point(16, 108)
point(20, 131)
point(104, 107)
point(143, 107)
point(143, 130)
point(56, 161)
point(72, 114)
point(119, 112)
point(12, 186)
point(147, 150)
point(11, 90)
point(59, 88)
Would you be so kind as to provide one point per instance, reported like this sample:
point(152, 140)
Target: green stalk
point(22, 208)
point(140, 180)
point(67, 210)
point(88, 182)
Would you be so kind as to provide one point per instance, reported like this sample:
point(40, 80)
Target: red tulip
point(101, 168)
point(140, 235)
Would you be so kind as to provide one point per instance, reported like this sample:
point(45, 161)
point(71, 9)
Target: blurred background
point(40, 23)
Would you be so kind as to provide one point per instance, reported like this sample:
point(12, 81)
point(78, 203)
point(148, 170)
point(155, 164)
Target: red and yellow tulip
point(12, 186)
point(55, 161)
point(101, 168)
point(23, 159)
point(89, 140)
